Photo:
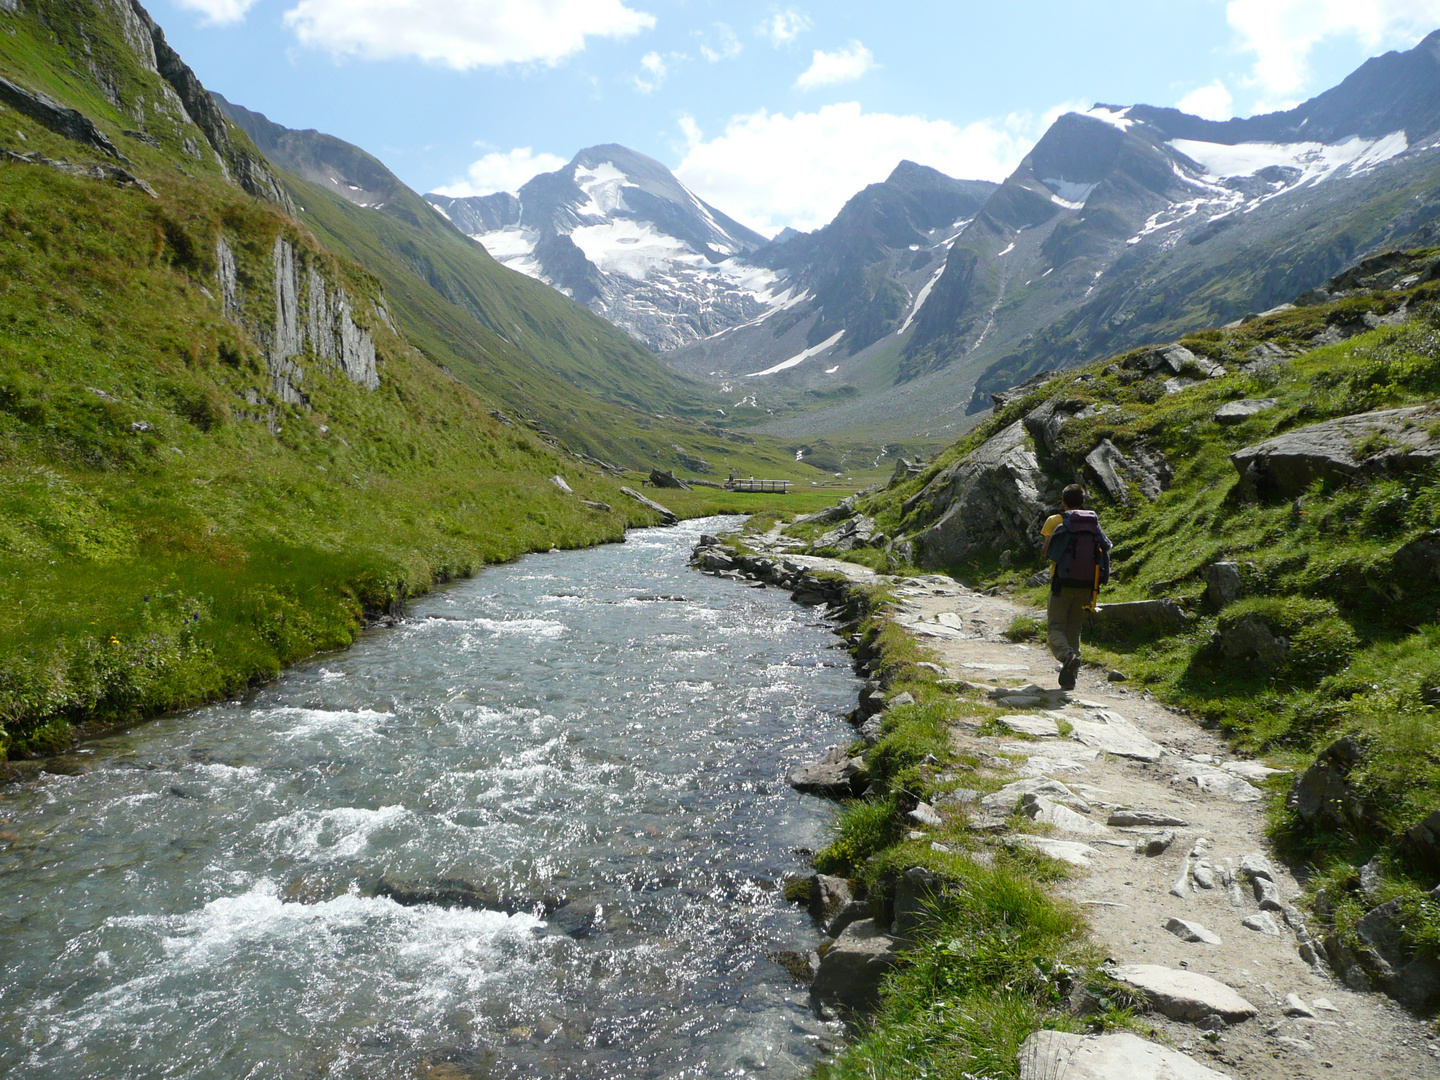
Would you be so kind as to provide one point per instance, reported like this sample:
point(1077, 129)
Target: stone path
point(1203, 925)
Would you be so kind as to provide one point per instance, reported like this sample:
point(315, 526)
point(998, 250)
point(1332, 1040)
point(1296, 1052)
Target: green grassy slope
point(172, 526)
point(1320, 570)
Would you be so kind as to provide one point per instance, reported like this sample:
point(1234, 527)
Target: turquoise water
point(202, 903)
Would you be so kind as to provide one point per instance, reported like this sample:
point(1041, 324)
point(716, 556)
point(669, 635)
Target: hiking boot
point(1068, 671)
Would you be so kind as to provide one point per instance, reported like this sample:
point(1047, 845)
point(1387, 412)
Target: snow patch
point(1317, 162)
point(799, 358)
point(1068, 194)
point(514, 247)
point(921, 297)
point(1113, 117)
point(832, 370)
point(1007, 250)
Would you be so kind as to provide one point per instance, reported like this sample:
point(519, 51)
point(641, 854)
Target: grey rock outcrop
point(1159, 618)
point(1223, 584)
point(990, 498)
point(1418, 561)
point(227, 276)
point(320, 316)
point(915, 894)
point(61, 119)
point(1347, 448)
point(852, 968)
point(1322, 797)
point(1117, 473)
point(839, 512)
point(1422, 840)
point(1250, 640)
point(859, 531)
point(1237, 412)
point(1412, 980)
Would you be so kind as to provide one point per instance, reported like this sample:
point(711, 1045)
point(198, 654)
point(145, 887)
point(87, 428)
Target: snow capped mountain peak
point(617, 231)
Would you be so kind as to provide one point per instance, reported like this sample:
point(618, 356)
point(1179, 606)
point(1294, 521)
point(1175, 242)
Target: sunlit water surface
point(201, 903)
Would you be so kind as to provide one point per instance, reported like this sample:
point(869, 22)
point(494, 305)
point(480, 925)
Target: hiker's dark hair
point(1073, 496)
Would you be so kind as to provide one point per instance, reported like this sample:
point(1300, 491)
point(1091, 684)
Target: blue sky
point(775, 113)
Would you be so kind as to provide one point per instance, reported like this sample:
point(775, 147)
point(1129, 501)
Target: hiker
point(1079, 553)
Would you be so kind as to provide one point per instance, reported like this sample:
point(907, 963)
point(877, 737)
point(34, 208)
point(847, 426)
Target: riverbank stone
point(854, 965)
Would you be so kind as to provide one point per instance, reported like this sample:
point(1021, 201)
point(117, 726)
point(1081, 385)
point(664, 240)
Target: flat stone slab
point(1192, 932)
point(1070, 851)
point(1029, 694)
point(1237, 412)
point(1251, 770)
point(1042, 727)
point(1046, 1055)
point(1038, 808)
point(1220, 783)
point(1184, 995)
point(1113, 734)
point(1003, 801)
point(1143, 818)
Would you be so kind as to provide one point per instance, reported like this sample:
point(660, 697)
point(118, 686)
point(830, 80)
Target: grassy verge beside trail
point(1327, 572)
point(1000, 955)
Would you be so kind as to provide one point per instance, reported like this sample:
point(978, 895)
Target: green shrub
point(863, 829)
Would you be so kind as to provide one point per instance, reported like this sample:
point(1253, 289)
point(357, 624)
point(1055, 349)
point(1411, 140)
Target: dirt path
point(1121, 751)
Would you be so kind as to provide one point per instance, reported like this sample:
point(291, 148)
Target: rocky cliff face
point(311, 319)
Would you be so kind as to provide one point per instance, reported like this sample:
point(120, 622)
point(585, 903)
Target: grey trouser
point(1066, 612)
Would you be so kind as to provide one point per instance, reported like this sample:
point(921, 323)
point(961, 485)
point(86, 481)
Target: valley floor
point(1122, 750)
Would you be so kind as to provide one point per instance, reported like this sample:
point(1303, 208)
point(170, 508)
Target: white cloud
point(499, 171)
point(844, 65)
point(1282, 33)
point(783, 27)
point(771, 170)
point(726, 46)
point(461, 34)
point(1213, 102)
point(219, 12)
point(652, 73)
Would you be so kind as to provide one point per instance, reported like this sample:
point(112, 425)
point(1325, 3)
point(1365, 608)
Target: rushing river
point(605, 726)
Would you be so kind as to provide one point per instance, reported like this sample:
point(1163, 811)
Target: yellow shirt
point(1047, 530)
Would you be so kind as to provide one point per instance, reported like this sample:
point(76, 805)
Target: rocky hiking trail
point(1165, 834)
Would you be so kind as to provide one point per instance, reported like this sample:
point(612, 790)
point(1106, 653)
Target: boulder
point(1045, 1055)
point(839, 512)
point(1348, 448)
point(1155, 618)
point(1069, 851)
point(666, 516)
point(1155, 845)
point(667, 480)
point(1184, 995)
point(1417, 563)
point(1062, 818)
point(1237, 412)
point(852, 968)
point(1422, 841)
point(857, 532)
point(559, 482)
point(1321, 797)
point(1262, 922)
point(1249, 640)
point(1192, 932)
point(835, 776)
point(990, 499)
point(1223, 584)
point(1413, 981)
